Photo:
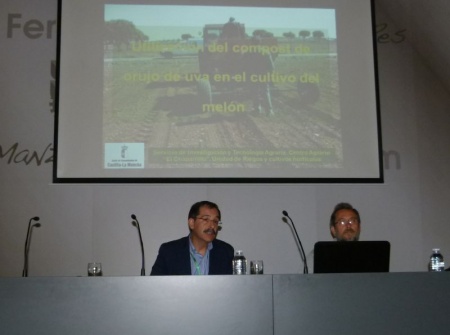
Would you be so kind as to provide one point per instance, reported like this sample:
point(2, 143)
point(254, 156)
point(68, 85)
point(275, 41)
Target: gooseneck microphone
point(135, 222)
point(302, 251)
point(27, 244)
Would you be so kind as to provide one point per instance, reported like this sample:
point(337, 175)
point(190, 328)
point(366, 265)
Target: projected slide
point(221, 93)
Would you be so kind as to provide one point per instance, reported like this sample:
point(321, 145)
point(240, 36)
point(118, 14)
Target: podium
point(362, 304)
point(369, 303)
point(136, 305)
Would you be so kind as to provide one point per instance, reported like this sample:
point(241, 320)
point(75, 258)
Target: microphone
point(302, 251)
point(135, 222)
point(27, 245)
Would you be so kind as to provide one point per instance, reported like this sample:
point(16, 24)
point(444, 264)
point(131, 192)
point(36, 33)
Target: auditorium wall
point(84, 222)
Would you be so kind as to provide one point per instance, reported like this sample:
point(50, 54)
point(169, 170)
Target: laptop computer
point(351, 257)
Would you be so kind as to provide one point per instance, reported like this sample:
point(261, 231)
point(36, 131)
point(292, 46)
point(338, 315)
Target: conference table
point(365, 303)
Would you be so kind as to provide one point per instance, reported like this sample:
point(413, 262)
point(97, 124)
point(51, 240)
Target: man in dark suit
point(199, 253)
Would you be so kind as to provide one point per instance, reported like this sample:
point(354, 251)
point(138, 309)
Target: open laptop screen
point(347, 257)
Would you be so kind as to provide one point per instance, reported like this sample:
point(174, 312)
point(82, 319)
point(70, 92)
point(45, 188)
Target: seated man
point(344, 226)
point(199, 253)
point(345, 223)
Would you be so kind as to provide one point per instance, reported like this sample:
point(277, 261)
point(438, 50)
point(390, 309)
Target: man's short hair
point(195, 209)
point(343, 205)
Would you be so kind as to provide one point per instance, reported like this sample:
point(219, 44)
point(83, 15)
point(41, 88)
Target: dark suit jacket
point(174, 258)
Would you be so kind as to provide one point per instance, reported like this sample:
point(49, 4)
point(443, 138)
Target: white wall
point(82, 223)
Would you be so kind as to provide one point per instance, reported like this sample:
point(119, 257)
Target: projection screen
point(217, 91)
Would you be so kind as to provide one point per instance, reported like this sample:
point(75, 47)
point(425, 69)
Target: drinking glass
point(95, 269)
point(256, 267)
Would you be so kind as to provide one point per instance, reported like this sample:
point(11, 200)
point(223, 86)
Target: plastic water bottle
point(239, 263)
point(436, 261)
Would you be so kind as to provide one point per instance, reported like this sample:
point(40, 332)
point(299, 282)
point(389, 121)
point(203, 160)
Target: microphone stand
point(302, 251)
point(136, 223)
point(27, 245)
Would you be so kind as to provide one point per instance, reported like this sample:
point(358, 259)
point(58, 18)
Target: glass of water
point(256, 267)
point(95, 269)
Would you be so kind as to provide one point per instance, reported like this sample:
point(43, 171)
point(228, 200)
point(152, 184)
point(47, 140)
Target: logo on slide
point(124, 155)
point(123, 152)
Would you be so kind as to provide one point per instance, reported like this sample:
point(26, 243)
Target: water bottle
point(239, 263)
point(436, 261)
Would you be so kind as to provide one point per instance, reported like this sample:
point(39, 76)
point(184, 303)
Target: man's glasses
point(343, 222)
point(206, 218)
